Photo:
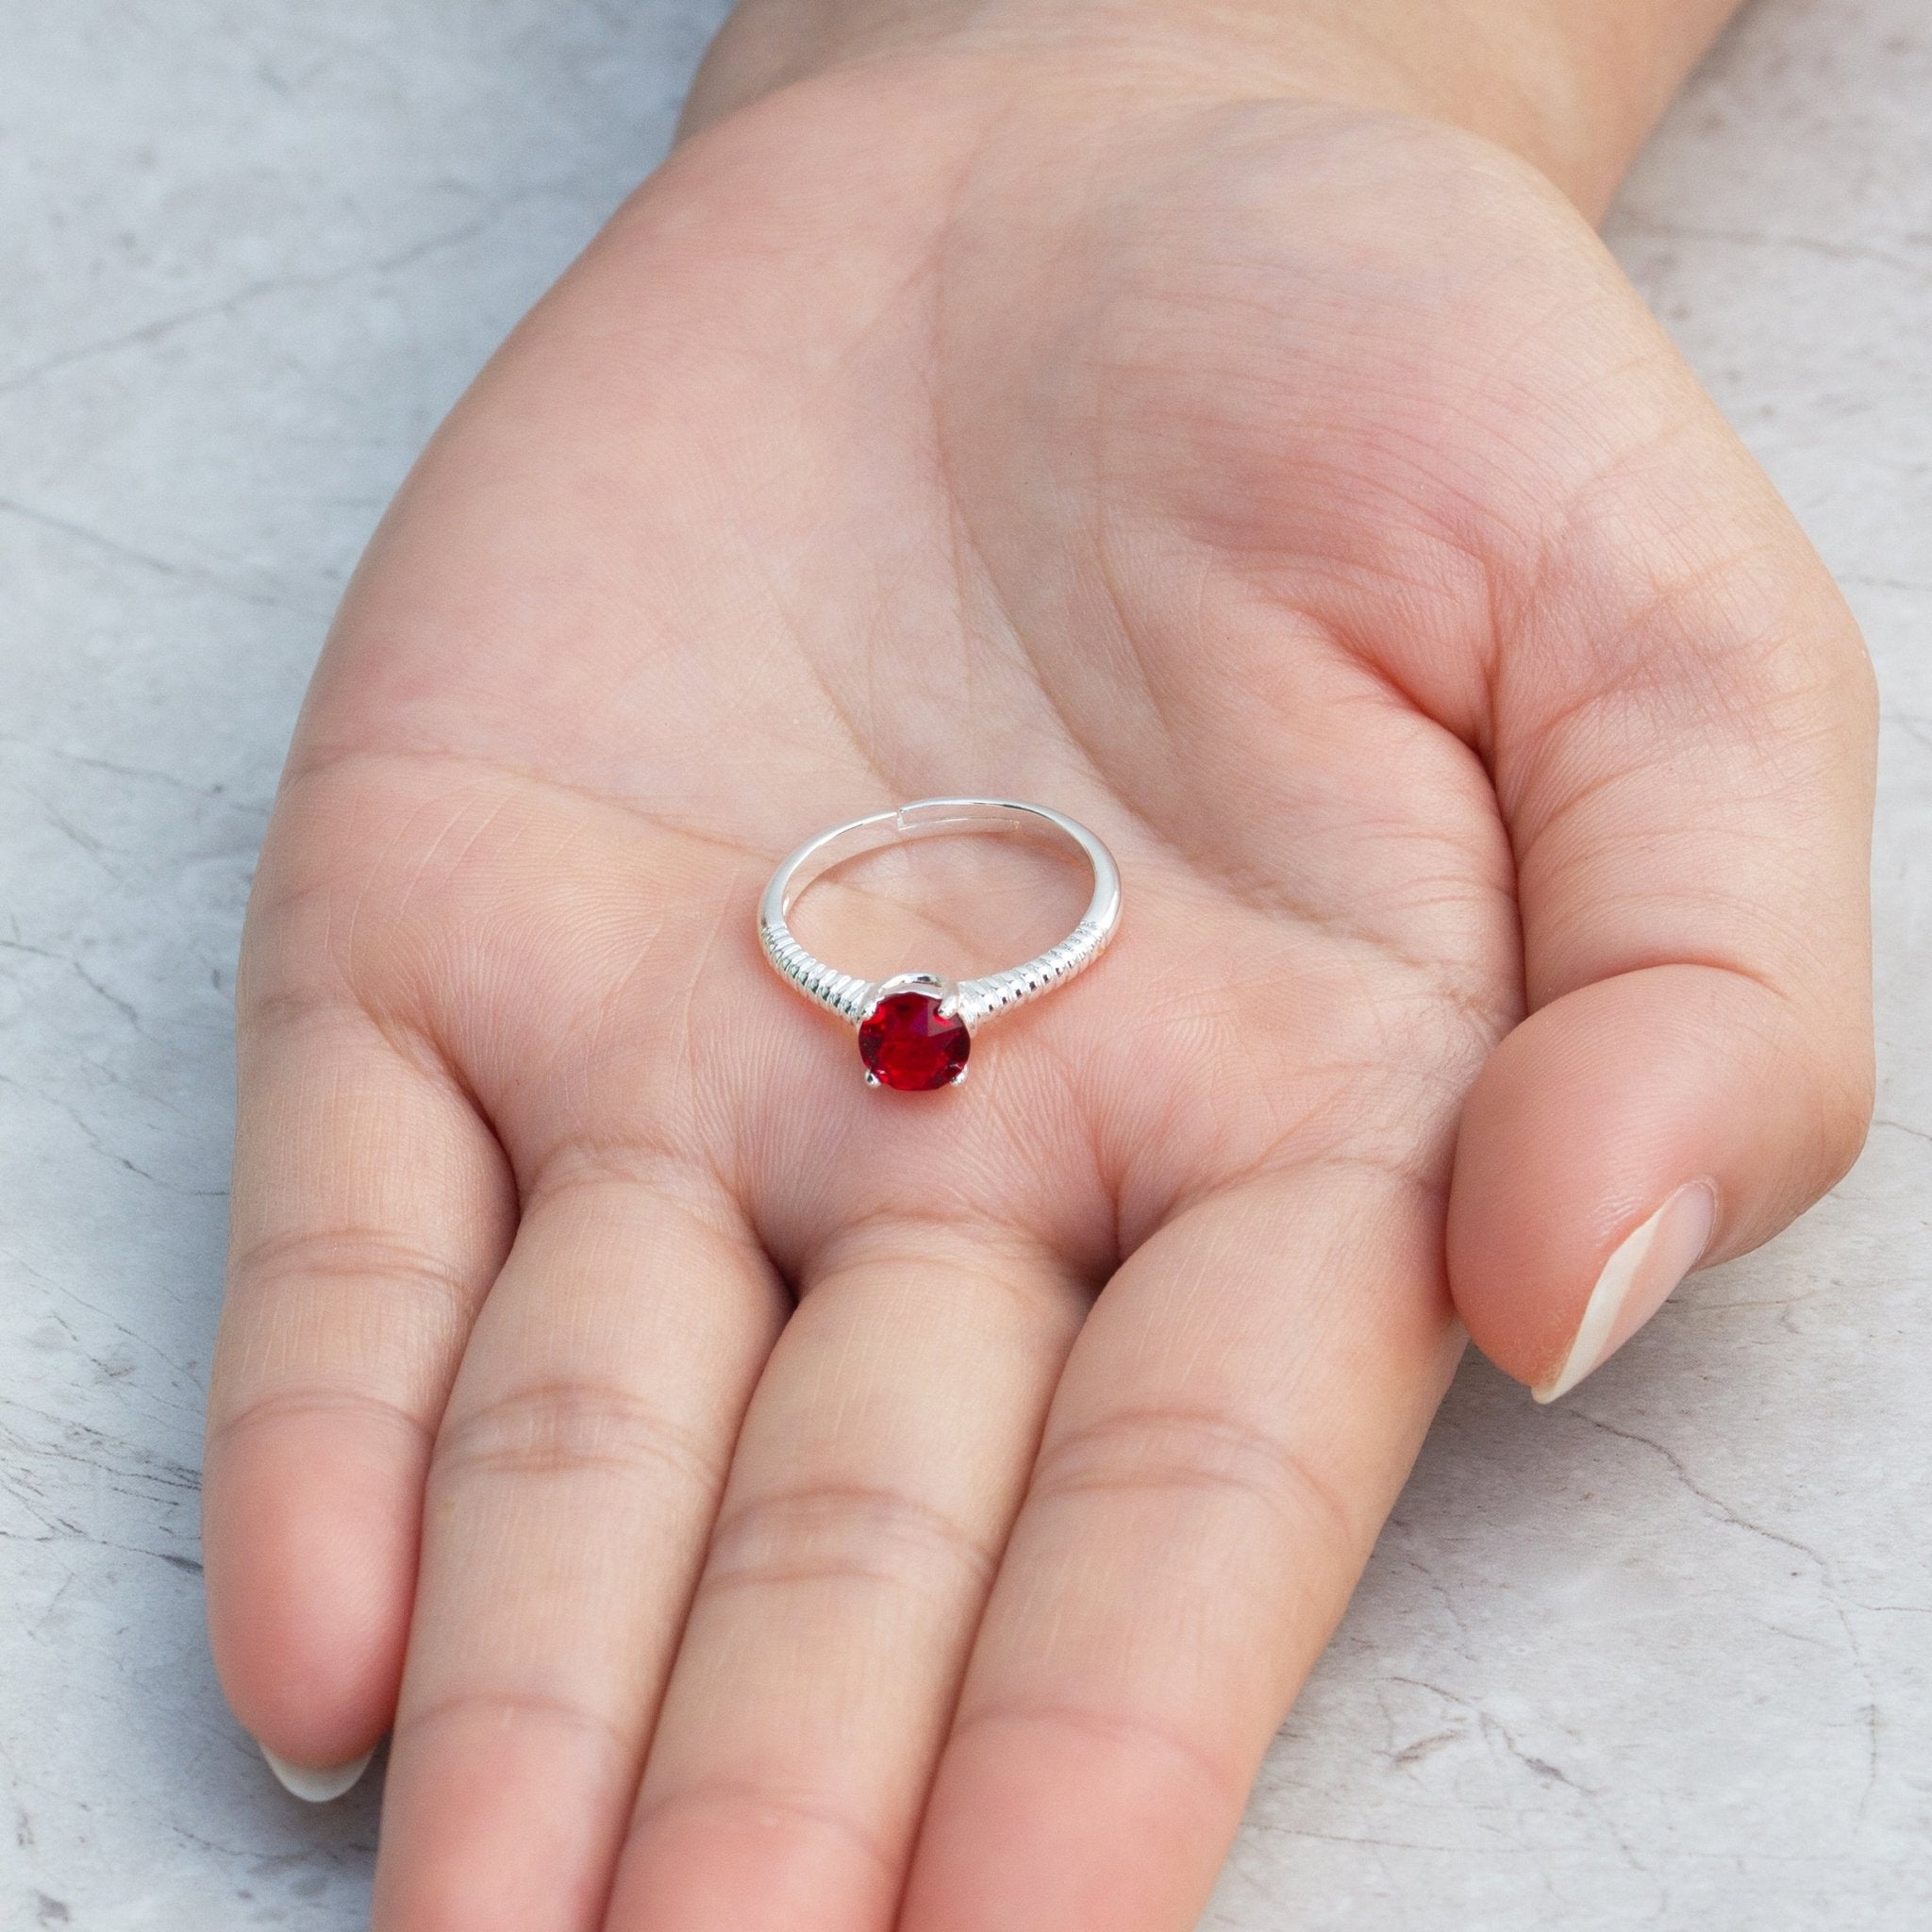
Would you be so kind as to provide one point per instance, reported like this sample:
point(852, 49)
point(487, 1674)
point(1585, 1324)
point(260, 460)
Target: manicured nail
point(1647, 1264)
point(317, 1787)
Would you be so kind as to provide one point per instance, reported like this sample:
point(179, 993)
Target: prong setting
point(934, 985)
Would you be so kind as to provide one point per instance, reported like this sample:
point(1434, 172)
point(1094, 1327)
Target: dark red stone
point(908, 1043)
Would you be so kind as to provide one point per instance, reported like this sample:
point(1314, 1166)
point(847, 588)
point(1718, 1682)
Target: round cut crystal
point(907, 1043)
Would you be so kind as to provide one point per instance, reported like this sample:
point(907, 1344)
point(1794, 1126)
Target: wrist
point(1572, 86)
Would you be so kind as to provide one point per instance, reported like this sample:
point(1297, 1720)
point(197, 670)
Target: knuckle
point(304, 1405)
point(565, 1426)
point(1138, 1732)
point(843, 1532)
point(763, 1808)
point(325, 1261)
point(1220, 1459)
point(494, 1708)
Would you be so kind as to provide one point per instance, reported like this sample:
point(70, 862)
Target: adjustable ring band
point(915, 1029)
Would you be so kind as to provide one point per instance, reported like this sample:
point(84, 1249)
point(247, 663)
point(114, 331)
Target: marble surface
point(1661, 1658)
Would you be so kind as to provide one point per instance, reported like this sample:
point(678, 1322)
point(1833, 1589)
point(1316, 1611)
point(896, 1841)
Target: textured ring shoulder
point(915, 1028)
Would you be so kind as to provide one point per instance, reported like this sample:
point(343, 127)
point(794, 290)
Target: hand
point(785, 1493)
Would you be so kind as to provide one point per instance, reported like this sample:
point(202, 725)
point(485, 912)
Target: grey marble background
point(1662, 1656)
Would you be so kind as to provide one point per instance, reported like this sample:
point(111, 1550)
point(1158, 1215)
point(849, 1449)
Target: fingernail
point(317, 1787)
point(1648, 1263)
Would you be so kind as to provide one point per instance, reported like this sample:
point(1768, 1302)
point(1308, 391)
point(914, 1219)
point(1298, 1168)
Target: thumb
point(1687, 776)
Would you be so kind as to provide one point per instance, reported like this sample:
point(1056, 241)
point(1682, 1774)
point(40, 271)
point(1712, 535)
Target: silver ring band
point(970, 1001)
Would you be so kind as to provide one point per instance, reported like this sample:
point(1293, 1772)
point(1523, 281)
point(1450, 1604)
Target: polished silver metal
point(973, 1000)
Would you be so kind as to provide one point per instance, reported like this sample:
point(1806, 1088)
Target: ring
point(915, 1029)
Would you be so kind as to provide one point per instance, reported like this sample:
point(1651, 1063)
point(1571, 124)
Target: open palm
point(755, 1500)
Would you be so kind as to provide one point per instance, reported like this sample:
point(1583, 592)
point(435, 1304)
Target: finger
point(1686, 773)
point(1233, 1425)
point(371, 1210)
point(574, 1483)
point(877, 1474)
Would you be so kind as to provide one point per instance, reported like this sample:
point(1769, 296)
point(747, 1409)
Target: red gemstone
point(908, 1043)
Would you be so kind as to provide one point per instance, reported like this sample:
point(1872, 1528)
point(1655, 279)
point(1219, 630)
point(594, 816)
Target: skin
point(754, 1500)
